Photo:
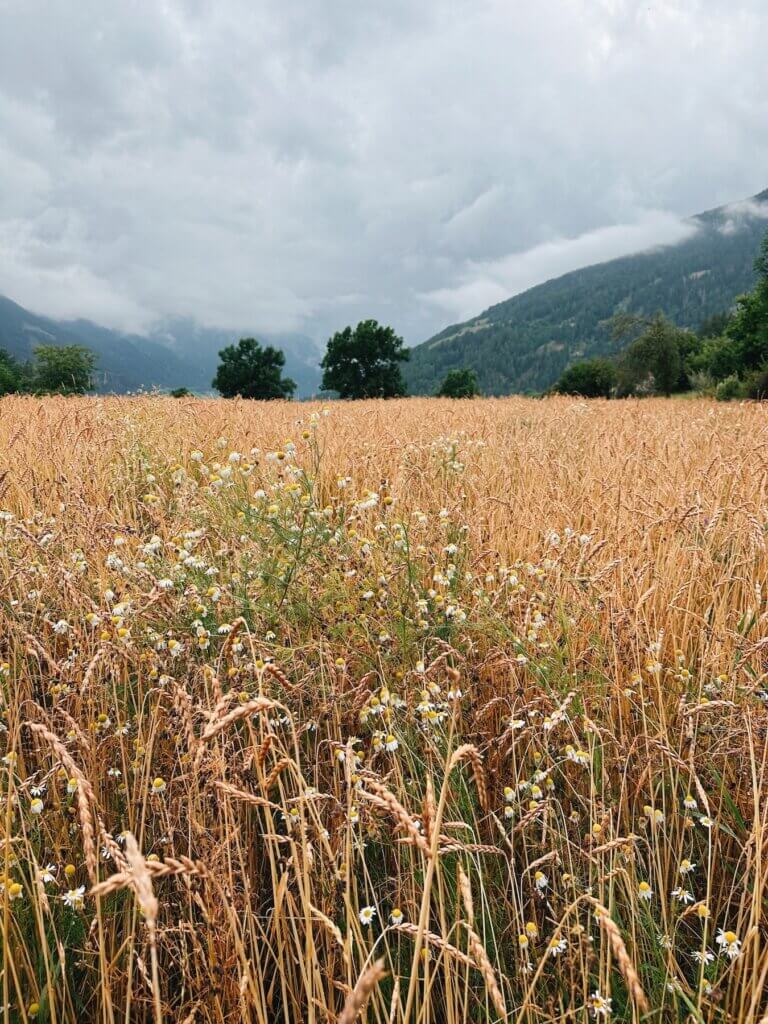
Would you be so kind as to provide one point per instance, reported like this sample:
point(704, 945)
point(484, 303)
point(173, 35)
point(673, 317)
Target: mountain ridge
point(525, 342)
point(520, 344)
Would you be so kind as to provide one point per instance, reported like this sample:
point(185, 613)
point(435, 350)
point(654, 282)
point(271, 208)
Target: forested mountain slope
point(524, 343)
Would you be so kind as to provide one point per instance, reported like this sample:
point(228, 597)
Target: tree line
point(727, 356)
point(359, 362)
point(54, 369)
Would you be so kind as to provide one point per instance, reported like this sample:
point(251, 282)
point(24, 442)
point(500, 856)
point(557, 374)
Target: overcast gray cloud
point(299, 164)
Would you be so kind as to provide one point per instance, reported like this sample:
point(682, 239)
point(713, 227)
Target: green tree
point(718, 358)
point(459, 384)
point(590, 378)
point(13, 376)
point(252, 371)
point(714, 326)
point(63, 369)
point(757, 384)
point(180, 393)
point(654, 360)
point(749, 324)
point(364, 362)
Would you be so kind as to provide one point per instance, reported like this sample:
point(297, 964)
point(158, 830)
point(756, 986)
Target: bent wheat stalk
point(361, 993)
point(142, 885)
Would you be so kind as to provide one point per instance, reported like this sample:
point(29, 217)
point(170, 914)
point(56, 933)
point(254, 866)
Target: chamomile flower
point(292, 818)
point(599, 1005)
point(682, 895)
point(158, 786)
point(367, 915)
point(645, 892)
point(703, 957)
point(396, 917)
point(654, 815)
point(47, 875)
point(15, 891)
point(729, 943)
point(75, 898)
point(541, 881)
point(36, 806)
point(557, 946)
point(685, 867)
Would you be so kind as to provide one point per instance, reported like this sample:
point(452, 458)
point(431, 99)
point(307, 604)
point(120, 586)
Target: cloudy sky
point(301, 164)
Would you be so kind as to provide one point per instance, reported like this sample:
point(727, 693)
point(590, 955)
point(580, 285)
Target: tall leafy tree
point(655, 358)
point(13, 376)
point(364, 362)
point(749, 325)
point(252, 371)
point(717, 358)
point(64, 369)
point(714, 326)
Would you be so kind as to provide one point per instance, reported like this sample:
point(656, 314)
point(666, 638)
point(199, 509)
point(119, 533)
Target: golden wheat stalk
point(626, 966)
point(252, 707)
point(155, 869)
point(433, 939)
point(386, 800)
point(142, 886)
point(84, 795)
point(488, 973)
point(361, 993)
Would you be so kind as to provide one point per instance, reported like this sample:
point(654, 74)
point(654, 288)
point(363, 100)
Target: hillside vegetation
point(525, 343)
point(446, 711)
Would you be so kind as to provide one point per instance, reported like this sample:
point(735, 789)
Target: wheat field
point(419, 711)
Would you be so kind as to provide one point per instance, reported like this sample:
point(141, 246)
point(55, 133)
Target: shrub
point(459, 384)
point(730, 388)
point(757, 385)
point(590, 378)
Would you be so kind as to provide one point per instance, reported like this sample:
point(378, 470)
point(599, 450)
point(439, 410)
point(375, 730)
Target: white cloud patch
point(273, 166)
point(737, 214)
point(482, 284)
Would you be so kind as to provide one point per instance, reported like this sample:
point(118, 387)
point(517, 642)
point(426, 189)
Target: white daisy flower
point(367, 915)
point(729, 943)
point(75, 898)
